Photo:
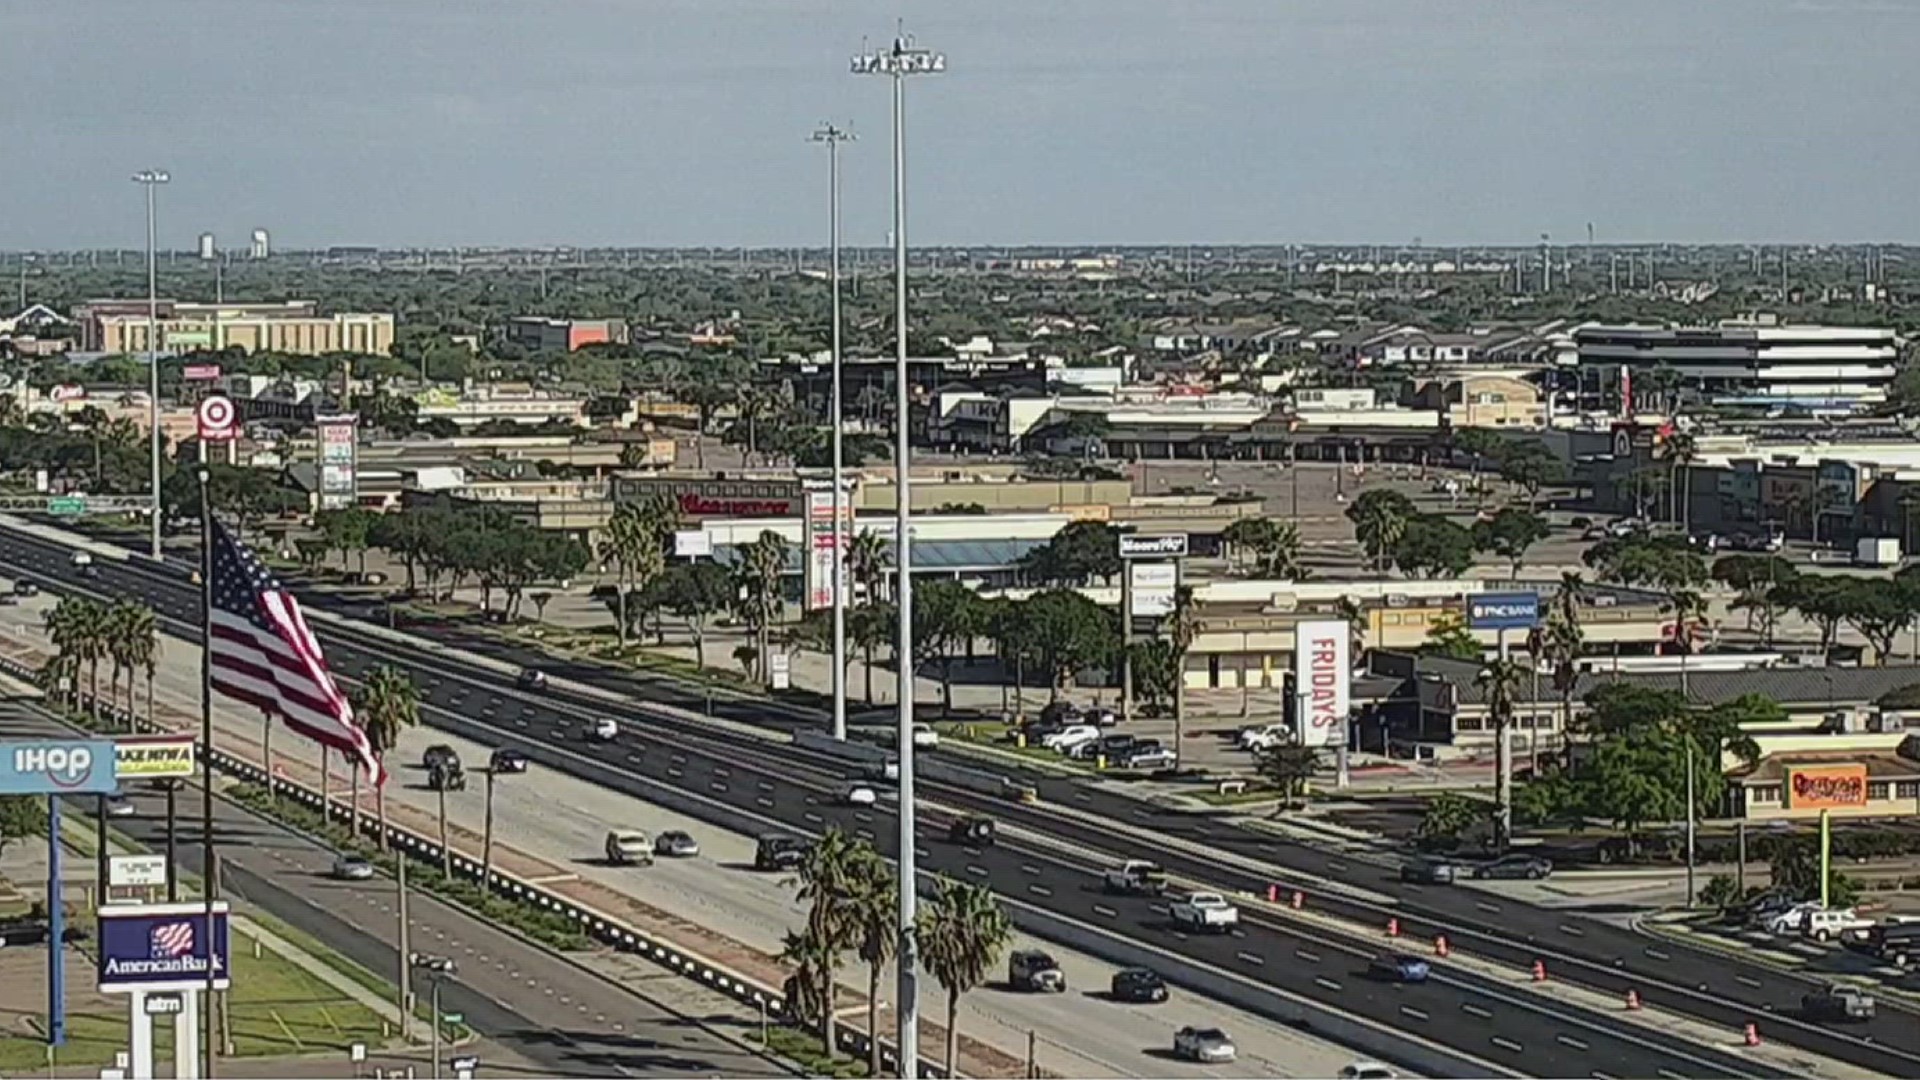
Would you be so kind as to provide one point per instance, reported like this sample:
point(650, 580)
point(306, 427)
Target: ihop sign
point(56, 767)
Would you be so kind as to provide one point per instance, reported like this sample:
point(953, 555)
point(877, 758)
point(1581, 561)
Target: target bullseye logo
point(215, 419)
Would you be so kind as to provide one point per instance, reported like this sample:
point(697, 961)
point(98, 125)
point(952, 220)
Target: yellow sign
point(1827, 787)
point(151, 756)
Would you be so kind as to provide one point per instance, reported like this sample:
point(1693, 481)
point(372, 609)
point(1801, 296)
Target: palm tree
point(829, 883)
point(78, 629)
point(1499, 681)
point(634, 543)
point(65, 626)
point(875, 916)
point(131, 642)
point(1689, 607)
point(1287, 767)
point(963, 930)
point(867, 562)
point(1182, 628)
point(1681, 453)
point(389, 704)
point(1563, 642)
point(759, 574)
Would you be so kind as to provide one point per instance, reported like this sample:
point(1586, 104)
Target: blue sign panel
point(56, 767)
point(162, 947)
point(1503, 611)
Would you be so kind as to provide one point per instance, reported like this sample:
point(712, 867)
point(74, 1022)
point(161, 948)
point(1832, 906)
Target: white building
point(1762, 364)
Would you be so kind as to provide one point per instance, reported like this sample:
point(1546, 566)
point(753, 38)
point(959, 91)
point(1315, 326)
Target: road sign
point(1503, 611)
point(66, 505)
point(453, 1018)
point(214, 418)
point(137, 871)
point(200, 372)
point(468, 1062)
point(161, 947)
point(56, 766)
point(1153, 547)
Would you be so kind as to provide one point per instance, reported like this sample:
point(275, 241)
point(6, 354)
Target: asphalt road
point(1457, 1009)
point(565, 820)
point(550, 1014)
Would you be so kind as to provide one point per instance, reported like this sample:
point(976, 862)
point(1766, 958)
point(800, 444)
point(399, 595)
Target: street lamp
point(438, 969)
point(151, 179)
point(901, 59)
point(833, 137)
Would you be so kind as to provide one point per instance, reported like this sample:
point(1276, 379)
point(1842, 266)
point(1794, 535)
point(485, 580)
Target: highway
point(564, 820)
point(550, 1015)
point(1507, 1028)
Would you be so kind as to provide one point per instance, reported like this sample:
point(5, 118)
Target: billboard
point(146, 757)
point(56, 766)
point(162, 947)
point(1827, 787)
point(1153, 547)
point(1323, 681)
point(824, 543)
point(137, 871)
point(1503, 611)
point(338, 437)
point(1152, 587)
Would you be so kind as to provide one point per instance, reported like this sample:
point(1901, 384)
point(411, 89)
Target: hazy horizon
point(1075, 123)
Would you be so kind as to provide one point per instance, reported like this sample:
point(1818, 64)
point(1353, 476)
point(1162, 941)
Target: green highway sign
point(67, 504)
point(453, 1018)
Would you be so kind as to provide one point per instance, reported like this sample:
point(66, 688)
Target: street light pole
point(904, 58)
point(438, 969)
point(151, 179)
point(833, 137)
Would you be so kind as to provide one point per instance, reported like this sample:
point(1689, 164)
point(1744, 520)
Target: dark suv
point(1514, 867)
point(1138, 985)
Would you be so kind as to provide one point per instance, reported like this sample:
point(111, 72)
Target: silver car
point(352, 868)
point(1208, 1046)
point(676, 844)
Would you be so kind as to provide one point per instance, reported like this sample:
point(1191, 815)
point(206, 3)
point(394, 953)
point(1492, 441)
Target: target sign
point(215, 419)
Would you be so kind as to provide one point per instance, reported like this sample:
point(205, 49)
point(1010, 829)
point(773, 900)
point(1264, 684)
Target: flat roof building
point(294, 326)
point(1758, 364)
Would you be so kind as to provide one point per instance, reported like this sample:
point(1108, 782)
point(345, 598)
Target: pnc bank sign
point(57, 767)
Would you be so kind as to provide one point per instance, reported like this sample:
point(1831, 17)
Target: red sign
point(200, 372)
point(696, 505)
point(68, 392)
point(214, 419)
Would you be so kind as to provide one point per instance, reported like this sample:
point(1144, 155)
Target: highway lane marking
point(1484, 906)
point(861, 816)
point(812, 818)
point(1598, 1075)
point(675, 772)
point(1336, 866)
point(1158, 909)
point(1568, 928)
point(721, 771)
point(980, 871)
point(1745, 981)
point(1505, 1043)
point(763, 785)
point(1471, 1009)
point(716, 786)
point(679, 759)
point(519, 723)
point(1568, 1040)
point(1325, 983)
point(631, 758)
point(864, 834)
point(1081, 796)
point(1237, 932)
point(1030, 868)
point(1250, 958)
point(764, 802)
point(1657, 954)
point(1309, 957)
point(1408, 1010)
point(1670, 1074)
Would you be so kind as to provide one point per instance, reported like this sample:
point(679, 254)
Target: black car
point(508, 761)
point(1060, 712)
point(972, 830)
point(25, 588)
point(532, 679)
point(778, 851)
point(439, 754)
point(1138, 985)
point(1428, 872)
point(1515, 867)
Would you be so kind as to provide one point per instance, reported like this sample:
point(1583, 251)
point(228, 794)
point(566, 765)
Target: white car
point(1205, 912)
point(1368, 1070)
point(1064, 740)
point(857, 794)
point(603, 730)
point(1828, 925)
point(924, 737)
point(81, 558)
point(1265, 737)
point(1209, 1046)
point(1793, 920)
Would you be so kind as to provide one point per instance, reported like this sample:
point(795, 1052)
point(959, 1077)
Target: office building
point(295, 326)
point(539, 334)
point(1760, 364)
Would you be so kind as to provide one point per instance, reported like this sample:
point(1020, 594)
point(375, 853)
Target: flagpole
point(206, 759)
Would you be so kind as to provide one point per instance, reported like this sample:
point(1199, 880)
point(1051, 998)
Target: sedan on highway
point(532, 679)
point(603, 730)
point(1139, 986)
point(1399, 967)
point(857, 794)
point(924, 737)
point(1428, 872)
point(676, 844)
point(1368, 1070)
point(25, 588)
point(1514, 867)
point(352, 868)
point(1208, 1046)
point(508, 761)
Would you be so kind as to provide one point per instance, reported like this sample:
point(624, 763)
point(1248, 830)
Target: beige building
point(295, 326)
point(1489, 401)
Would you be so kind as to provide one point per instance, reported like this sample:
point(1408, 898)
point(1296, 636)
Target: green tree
point(694, 592)
point(759, 577)
point(869, 561)
point(1562, 643)
point(1433, 546)
point(875, 915)
point(1879, 610)
point(829, 880)
point(1448, 636)
point(947, 616)
point(1266, 548)
point(1380, 517)
point(871, 627)
point(1079, 554)
point(1795, 869)
point(1069, 632)
point(1449, 814)
point(1754, 579)
point(1822, 599)
point(130, 643)
point(21, 816)
point(1532, 467)
point(387, 705)
point(348, 531)
point(78, 628)
point(637, 539)
point(1509, 533)
point(1287, 768)
point(1499, 684)
point(963, 931)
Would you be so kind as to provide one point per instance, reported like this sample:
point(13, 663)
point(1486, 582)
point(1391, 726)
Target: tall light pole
point(152, 179)
point(902, 59)
point(833, 137)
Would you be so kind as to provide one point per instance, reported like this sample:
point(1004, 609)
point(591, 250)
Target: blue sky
point(668, 122)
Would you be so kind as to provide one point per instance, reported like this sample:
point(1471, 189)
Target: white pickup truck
point(1205, 913)
point(1137, 877)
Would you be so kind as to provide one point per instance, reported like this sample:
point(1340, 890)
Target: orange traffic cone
point(1273, 894)
point(1752, 1034)
point(1539, 971)
point(1633, 1000)
point(1393, 927)
point(1299, 898)
point(1440, 947)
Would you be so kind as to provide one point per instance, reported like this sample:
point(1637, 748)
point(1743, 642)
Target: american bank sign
point(163, 947)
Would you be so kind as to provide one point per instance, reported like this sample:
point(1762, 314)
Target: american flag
point(264, 655)
point(170, 941)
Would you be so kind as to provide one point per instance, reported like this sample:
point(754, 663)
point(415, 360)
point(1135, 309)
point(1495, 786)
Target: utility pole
point(833, 137)
point(152, 179)
point(903, 59)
